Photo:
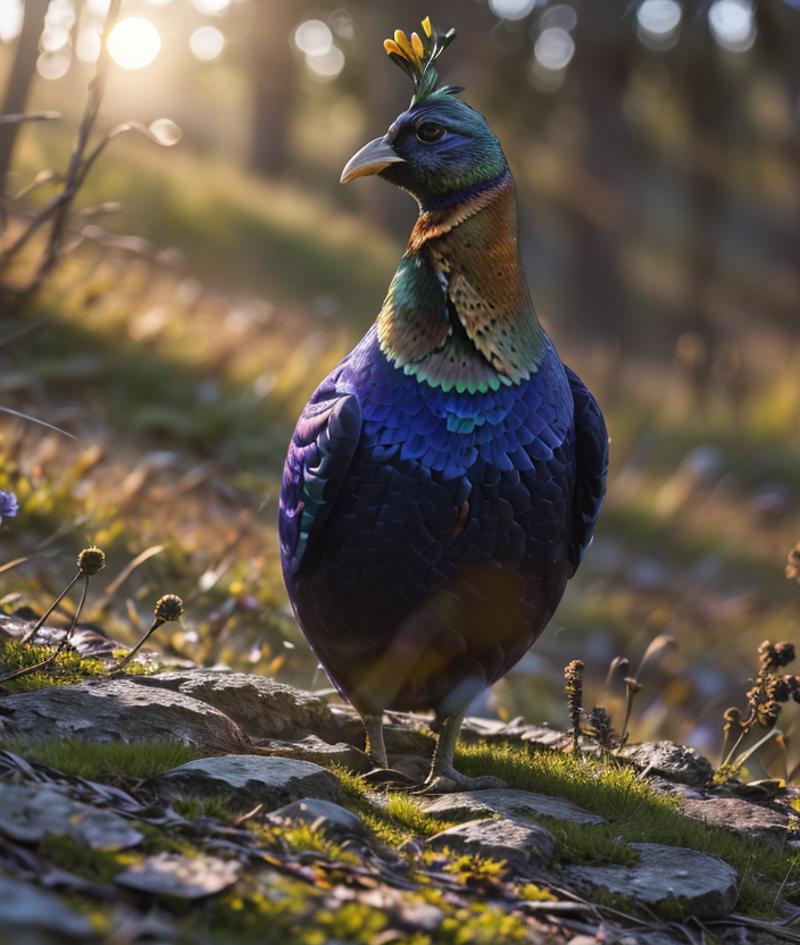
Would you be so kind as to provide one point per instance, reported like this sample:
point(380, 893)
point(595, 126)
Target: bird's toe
point(452, 781)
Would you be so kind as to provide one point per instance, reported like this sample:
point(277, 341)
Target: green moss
point(67, 668)
point(193, 806)
point(400, 818)
point(95, 865)
point(588, 844)
point(635, 811)
point(104, 760)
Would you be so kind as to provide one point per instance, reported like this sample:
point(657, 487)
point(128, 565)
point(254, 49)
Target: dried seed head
point(573, 686)
point(793, 564)
point(169, 607)
point(91, 560)
point(784, 653)
point(768, 713)
point(600, 725)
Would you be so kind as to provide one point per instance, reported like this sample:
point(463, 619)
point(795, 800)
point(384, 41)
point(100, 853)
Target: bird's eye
point(429, 131)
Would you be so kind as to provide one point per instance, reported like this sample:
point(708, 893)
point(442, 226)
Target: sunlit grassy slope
point(182, 384)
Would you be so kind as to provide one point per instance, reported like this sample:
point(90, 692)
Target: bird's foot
point(450, 781)
point(388, 778)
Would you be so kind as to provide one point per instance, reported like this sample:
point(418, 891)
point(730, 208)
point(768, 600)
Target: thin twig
point(40, 622)
point(79, 165)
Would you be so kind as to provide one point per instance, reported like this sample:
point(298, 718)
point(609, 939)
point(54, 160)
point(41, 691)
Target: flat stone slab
point(188, 877)
point(119, 709)
point(256, 779)
point(509, 803)
point(756, 821)
point(671, 761)
point(313, 748)
point(28, 813)
point(262, 707)
point(333, 819)
point(700, 884)
point(522, 846)
point(26, 909)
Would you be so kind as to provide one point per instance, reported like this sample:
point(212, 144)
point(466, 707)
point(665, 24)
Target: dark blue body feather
point(427, 536)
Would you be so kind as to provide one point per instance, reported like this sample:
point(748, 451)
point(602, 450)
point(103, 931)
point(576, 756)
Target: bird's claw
point(388, 777)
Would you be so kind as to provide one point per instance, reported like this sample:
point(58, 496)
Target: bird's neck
point(458, 312)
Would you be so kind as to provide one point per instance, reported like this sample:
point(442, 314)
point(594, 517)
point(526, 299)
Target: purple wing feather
point(320, 454)
point(591, 458)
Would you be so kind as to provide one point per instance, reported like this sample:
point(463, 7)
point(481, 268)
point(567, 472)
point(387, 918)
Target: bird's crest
point(416, 57)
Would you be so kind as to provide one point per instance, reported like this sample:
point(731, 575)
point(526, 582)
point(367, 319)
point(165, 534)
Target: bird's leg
point(381, 774)
point(443, 777)
point(375, 747)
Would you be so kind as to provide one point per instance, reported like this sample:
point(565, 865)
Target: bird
point(443, 482)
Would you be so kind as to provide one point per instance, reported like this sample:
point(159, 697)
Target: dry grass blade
point(657, 646)
point(42, 423)
point(14, 563)
point(29, 116)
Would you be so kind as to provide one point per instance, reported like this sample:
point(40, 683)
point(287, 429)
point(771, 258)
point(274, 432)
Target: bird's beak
point(371, 159)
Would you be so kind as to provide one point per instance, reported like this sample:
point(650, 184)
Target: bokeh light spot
point(732, 24)
point(134, 43)
point(53, 65)
point(207, 43)
point(314, 38)
point(658, 22)
point(10, 20)
point(87, 46)
point(54, 38)
point(328, 65)
point(211, 7)
point(560, 15)
point(554, 49)
point(512, 9)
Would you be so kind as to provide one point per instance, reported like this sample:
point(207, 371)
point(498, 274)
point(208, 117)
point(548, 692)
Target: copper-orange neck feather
point(458, 314)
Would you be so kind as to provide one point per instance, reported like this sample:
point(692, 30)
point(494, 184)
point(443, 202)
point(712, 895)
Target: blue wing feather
point(591, 459)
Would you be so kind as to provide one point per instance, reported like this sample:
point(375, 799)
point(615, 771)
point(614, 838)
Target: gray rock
point(508, 803)
point(28, 813)
point(25, 908)
point(769, 825)
point(188, 877)
point(256, 779)
point(262, 707)
point(333, 819)
point(671, 761)
point(523, 846)
point(313, 748)
point(700, 884)
point(109, 709)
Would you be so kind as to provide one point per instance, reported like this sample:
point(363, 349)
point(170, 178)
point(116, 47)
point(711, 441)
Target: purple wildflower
point(9, 506)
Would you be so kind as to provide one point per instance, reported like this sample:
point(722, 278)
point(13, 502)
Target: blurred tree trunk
point(597, 298)
point(23, 70)
point(703, 97)
point(273, 67)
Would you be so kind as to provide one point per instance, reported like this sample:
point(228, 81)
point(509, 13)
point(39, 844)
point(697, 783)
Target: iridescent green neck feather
point(458, 314)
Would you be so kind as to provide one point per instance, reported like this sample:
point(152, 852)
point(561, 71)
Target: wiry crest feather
point(416, 57)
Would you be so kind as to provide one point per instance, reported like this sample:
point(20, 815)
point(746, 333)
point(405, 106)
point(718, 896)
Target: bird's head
point(439, 147)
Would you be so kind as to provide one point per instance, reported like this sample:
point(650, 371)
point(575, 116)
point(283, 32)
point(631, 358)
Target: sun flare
point(134, 43)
